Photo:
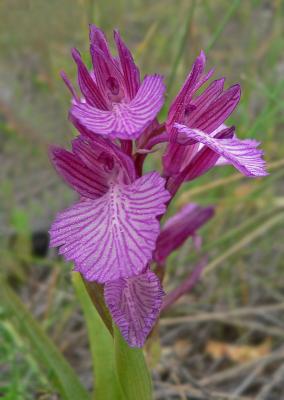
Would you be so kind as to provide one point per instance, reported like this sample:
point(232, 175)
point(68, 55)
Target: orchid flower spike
point(112, 233)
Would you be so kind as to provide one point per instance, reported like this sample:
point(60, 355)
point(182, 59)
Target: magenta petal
point(69, 85)
point(223, 161)
point(187, 110)
point(205, 158)
point(97, 38)
point(86, 181)
point(218, 111)
point(94, 166)
point(135, 304)
point(203, 161)
point(211, 93)
point(87, 84)
point(186, 285)
point(106, 71)
point(100, 155)
point(179, 227)
point(126, 120)
point(183, 99)
point(205, 99)
point(130, 71)
point(177, 156)
point(113, 236)
point(242, 154)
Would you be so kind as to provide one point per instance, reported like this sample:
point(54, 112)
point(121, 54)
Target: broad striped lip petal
point(205, 158)
point(76, 174)
point(125, 120)
point(221, 160)
point(242, 154)
point(251, 142)
point(135, 304)
point(187, 152)
point(113, 236)
point(180, 227)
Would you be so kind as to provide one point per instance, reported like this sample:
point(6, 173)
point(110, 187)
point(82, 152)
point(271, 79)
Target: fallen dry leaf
point(182, 347)
point(238, 353)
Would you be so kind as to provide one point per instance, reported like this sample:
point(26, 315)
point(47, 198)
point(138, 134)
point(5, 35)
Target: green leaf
point(96, 294)
point(60, 372)
point(102, 346)
point(132, 370)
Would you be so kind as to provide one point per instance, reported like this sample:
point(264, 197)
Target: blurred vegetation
point(245, 41)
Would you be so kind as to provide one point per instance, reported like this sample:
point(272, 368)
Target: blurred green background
point(244, 40)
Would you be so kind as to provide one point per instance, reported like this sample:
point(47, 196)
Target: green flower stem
point(101, 343)
point(132, 370)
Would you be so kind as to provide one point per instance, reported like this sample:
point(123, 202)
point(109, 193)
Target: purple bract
point(112, 233)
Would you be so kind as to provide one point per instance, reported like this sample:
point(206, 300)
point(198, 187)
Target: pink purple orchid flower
point(115, 103)
point(112, 233)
